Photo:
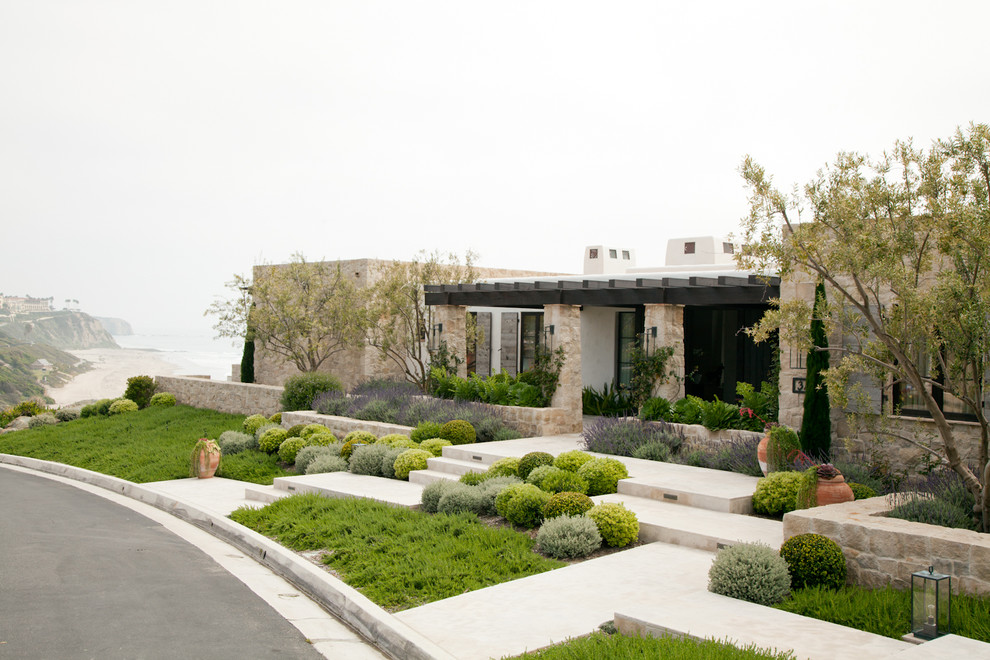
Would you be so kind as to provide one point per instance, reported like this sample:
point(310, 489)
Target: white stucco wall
point(598, 345)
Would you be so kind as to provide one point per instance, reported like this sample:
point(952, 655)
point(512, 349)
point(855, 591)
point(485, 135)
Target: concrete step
point(345, 484)
point(489, 452)
point(424, 477)
point(264, 494)
point(455, 466)
point(696, 528)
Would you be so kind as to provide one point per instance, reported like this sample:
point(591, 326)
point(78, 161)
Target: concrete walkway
point(656, 587)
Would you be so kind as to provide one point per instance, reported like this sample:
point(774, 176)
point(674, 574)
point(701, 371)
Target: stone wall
point(224, 396)
point(341, 426)
point(881, 550)
point(669, 322)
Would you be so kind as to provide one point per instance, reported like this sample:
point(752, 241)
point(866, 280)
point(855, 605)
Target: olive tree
point(903, 245)
point(399, 318)
point(305, 311)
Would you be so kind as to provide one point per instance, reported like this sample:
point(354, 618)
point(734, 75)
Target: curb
point(374, 624)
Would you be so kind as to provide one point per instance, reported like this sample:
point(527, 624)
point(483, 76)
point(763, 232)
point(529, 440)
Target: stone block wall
point(566, 320)
point(881, 550)
point(224, 396)
point(669, 322)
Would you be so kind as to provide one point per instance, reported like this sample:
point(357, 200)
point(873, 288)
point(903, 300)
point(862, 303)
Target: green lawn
point(397, 557)
point(148, 445)
point(599, 646)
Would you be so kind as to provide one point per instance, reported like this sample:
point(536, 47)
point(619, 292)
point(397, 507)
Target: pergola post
point(566, 323)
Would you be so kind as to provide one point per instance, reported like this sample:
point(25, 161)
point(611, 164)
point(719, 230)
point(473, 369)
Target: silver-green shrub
point(432, 492)
point(367, 460)
point(327, 463)
point(750, 571)
point(234, 442)
point(309, 454)
point(388, 461)
point(462, 499)
point(67, 414)
point(46, 419)
point(266, 426)
point(567, 537)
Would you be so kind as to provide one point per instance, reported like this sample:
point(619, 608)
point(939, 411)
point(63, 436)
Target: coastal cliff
point(63, 330)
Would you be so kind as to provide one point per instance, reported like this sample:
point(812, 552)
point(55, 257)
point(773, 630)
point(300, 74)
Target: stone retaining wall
point(535, 422)
point(341, 426)
point(881, 550)
point(224, 396)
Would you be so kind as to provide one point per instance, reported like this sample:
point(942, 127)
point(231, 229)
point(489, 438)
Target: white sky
point(148, 150)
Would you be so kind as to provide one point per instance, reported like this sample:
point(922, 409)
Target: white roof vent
point(601, 259)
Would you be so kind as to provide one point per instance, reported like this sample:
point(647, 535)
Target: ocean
point(194, 354)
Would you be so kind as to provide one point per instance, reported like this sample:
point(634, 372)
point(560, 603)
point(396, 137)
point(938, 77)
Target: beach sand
point(107, 379)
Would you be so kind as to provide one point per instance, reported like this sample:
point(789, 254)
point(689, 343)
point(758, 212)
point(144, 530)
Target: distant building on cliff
point(17, 305)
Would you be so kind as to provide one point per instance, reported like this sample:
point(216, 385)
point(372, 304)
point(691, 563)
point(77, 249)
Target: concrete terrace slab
point(704, 615)
point(216, 494)
point(540, 610)
point(345, 484)
point(698, 487)
point(696, 528)
point(489, 452)
point(950, 646)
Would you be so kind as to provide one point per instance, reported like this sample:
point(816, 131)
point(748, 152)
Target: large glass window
point(532, 331)
point(910, 402)
point(625, 337)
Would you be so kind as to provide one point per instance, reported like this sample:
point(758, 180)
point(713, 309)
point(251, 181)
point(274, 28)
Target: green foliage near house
point(396, 557)
point(816, 424)
point(140, 389)
point(300, 390)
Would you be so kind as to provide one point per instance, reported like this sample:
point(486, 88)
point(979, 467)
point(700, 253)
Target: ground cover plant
point(884, 611)
point(398, 558)
point(146, 445)
point(602, 646)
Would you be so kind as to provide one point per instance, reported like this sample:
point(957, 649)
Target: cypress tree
point(247, 359)
point(816, 425)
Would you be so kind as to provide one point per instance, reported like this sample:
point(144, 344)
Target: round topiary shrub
point(562, 480)
point(473, 478)
point(525, 508)
point(750, 571)
point(505, 495)
point(567, 503)
point(234, 442)
point(567, 537)
point(272, 439)
point(327, 463)
point(776, 494)
point(533, 460)
point(602, 475)
point(537, 476)
point(460, 499)
point(140, 389)
point(353, 439)
point(309, 454)
point(434, 445)
point(309, 430)
point(617, 524)
point(504, 467)
point(489, 489)
point(861, 491)
point(367, 460)
point(88, 411)
point(388, 461)
point(276, 418)
point(253, 422)
point(458, 432)
point(66, 414)
point(409, 460)
point(398, 440)
point(300, 390)
point(103, 406)
point(46, 419)
point(321, 440)
point(295, 431)
point(121, 406)
point(572, 460)
point(164, 399)
point(425, 431)
point(814, 560)
point(264, 427)
point(289, 448)
point(433, 491)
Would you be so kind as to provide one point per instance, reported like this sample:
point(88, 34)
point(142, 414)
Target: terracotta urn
point(206, 461)
point(761, 454)
point(834, 490)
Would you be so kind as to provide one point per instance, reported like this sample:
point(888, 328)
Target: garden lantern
point(931, 595)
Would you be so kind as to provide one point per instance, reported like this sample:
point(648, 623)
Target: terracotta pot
point(834, 491)
point(206, 464)
point(761, 454)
